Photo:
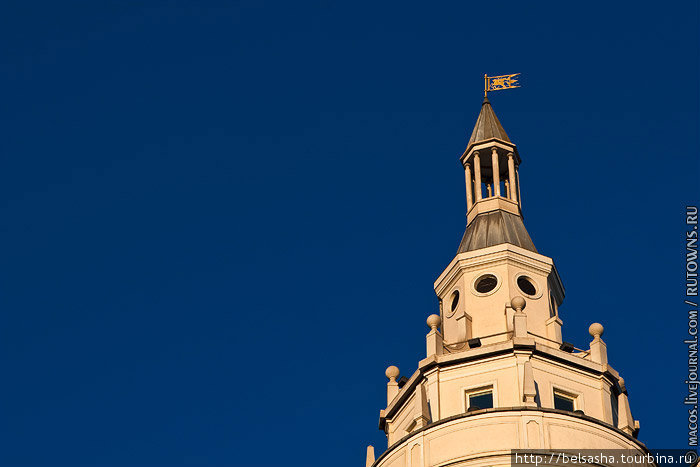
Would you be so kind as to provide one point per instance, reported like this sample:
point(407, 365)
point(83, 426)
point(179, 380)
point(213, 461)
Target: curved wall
point(486, 437)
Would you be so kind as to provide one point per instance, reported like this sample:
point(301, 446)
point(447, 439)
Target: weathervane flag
point(496, 83)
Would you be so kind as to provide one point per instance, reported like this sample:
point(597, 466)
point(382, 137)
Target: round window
point(486, 283)
point(455, 300)
point(526, 285)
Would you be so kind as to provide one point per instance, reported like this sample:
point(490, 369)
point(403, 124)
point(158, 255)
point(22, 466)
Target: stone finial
point(596, 330)
point(519, 318)
point(392, 387)
point(433, 321)
point(370, 456)
point(518, 303)
point(433, 341)
point(392, 373)
point(599, 351)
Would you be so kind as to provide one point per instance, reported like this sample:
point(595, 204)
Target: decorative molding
point(542, 410)
point(504, 253)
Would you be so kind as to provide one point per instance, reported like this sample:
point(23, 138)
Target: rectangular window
point(480, 399)
point(563, 402)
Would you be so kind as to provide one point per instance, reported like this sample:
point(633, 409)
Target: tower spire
point(491, 163)
point(487, 125)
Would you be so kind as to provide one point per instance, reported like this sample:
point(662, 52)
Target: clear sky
point(221, 221)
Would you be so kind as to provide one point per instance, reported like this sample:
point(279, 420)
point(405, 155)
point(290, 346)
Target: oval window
point(526, 286)
point(455, 300)
point(486, 283)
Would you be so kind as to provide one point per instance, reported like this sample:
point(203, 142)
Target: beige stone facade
point(497, 374)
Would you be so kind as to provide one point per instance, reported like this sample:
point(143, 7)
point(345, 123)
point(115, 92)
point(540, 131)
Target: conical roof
point(494, 228)
point(487, 125)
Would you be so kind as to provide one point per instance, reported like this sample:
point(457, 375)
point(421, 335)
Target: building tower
point(497, 375)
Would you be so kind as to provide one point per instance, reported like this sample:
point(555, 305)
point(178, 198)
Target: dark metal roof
point(487, 125)
point(494, 228)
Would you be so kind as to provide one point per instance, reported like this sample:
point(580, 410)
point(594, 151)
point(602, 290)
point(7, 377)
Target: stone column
point(477, 177)
point(496, 174)
point(511, 177)
point(468, 179)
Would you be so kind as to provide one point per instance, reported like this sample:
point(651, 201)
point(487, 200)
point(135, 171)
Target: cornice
point(492, 256)
point(490, 204)
point(486, 145)
point(476, 413)
point(512, 346)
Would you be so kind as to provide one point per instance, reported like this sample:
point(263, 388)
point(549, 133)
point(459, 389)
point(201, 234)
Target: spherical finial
point(518, 303)
point(392, 372)
point(595, 330)
point(433, 321)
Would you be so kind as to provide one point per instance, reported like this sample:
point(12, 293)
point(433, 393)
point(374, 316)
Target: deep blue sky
point(221, 221)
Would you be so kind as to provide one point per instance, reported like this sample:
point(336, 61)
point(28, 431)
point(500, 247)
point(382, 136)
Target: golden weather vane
point(497, 83)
